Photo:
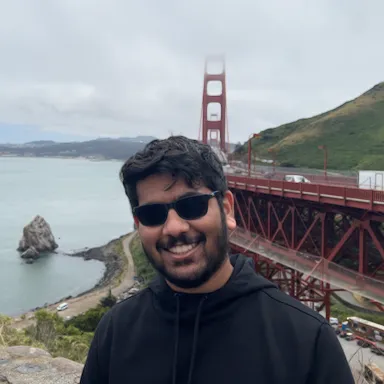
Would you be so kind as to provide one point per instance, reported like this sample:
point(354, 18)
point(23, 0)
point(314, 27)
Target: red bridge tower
point(213, 125)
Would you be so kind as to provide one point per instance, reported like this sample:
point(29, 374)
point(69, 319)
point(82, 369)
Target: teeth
point(182, 248)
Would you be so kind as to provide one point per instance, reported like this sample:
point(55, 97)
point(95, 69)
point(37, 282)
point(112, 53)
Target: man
point(207, 318)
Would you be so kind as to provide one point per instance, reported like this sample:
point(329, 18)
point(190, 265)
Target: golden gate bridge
point(311, 239)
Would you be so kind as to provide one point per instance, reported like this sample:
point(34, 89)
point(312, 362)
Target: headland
point(118, 277)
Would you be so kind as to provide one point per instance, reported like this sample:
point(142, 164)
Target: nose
point(174, 224)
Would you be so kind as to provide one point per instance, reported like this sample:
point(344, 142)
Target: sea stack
point(37, 238)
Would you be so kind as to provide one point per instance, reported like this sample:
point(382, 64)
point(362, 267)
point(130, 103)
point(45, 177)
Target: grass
point(70, 339)
point(353, 134)
point(342, 312)
point(144, 269)
point(119, 250)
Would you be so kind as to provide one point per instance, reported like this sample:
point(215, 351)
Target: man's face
point(165, 245)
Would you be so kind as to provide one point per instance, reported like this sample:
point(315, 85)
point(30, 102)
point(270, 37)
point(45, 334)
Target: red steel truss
point(313, 292)
point(317, 247)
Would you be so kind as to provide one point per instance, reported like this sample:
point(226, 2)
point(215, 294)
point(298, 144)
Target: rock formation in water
point(23, 364)
point(37, 238)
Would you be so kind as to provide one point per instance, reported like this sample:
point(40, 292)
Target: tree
point(108, 301)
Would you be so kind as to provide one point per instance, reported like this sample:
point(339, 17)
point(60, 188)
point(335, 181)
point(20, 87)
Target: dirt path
point(81, 304)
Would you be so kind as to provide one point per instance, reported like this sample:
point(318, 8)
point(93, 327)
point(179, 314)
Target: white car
point(334, 321)
point(296, 179)
point(62, 307)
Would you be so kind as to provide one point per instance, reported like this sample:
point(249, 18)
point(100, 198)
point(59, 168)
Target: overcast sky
point(72, 68)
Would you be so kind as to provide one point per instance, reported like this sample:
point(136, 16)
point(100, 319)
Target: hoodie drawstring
point(194, 342)
point(195, 338)
point(177, 325)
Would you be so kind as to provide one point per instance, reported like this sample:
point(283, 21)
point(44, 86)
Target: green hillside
point(353, 134)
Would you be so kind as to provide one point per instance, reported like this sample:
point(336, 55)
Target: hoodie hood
point(196, 309)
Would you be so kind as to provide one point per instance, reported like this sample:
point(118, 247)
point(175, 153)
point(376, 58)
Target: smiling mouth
point(181, 249)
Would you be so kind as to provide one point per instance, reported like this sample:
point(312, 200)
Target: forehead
point(163, 188)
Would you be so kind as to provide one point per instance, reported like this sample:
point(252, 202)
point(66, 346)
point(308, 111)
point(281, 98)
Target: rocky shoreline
point(114, 266)
point(113, 261)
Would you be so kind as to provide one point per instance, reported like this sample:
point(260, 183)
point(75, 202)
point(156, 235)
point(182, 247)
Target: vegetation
point(70, 339)
point(353, 134)
point(341, 312)
point(144, 269)
point(119, 250)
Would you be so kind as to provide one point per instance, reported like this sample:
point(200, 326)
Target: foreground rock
point(23, 364)
point(37, 238)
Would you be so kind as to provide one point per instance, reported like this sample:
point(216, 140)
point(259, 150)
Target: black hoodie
point(247, 332)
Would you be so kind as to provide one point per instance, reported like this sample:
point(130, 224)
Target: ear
point(136, 221)
point(229, 210)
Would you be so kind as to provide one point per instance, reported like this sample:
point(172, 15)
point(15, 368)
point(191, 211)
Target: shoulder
point(131, 304)
point(292, 306)
point(127, 309)
point(286, 312)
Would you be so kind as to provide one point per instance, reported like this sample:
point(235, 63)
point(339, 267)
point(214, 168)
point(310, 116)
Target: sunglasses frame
point(173, 205)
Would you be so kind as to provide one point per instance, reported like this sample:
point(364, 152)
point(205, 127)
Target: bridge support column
point(214, 106)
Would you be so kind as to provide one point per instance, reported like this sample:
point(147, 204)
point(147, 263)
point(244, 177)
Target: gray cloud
point(129, 67)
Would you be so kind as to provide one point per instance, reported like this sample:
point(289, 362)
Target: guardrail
point(328, 194)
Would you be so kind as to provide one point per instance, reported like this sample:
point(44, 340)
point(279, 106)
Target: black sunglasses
point(188, 208)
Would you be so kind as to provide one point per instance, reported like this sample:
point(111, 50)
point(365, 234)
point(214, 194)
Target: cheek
point(210, 225)
point(148, 236)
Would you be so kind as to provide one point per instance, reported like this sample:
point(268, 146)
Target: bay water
point(83, 202)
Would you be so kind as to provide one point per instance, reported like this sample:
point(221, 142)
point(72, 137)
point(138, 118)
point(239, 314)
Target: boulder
point(37, 238)
point(30, 253)
point(24, 364)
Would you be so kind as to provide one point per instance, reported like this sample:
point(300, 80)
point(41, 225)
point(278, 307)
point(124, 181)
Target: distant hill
point(40, 143)
point(353, 134)
point(108, 148)
point(100, 148)
point(144, 139)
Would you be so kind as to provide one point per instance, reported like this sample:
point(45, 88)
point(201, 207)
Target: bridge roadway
point(277, 173)
point(339, 195)
point(311, 265)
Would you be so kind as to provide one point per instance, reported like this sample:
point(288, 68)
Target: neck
point(218, 280)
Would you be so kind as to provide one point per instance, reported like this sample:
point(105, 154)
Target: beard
point(213, 260)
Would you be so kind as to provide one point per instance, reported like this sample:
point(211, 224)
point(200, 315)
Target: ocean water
point(84, 203)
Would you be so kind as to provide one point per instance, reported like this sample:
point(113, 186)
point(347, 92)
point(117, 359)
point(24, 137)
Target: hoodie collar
point(242, 281)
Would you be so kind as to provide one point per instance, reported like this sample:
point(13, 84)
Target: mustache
point(171, 241)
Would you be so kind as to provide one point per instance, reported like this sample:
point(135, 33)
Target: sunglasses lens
point(194, 207)
point(188, 208)
point(152, 214)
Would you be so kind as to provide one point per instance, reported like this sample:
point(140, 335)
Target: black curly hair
point(182, 158)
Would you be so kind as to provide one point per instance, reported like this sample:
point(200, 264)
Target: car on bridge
point(296, 179)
